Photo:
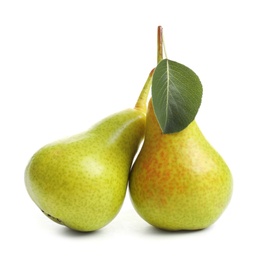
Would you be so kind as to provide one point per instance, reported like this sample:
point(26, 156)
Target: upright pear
point(81, 181)
point(179, 181)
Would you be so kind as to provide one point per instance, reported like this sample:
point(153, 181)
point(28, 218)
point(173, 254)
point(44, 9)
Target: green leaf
point(176, 95)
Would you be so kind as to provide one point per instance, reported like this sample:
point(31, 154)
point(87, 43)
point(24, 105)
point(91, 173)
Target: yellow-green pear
point(81, 181)
point(179, 182)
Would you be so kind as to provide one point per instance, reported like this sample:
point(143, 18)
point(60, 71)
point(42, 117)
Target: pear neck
point(153, 129)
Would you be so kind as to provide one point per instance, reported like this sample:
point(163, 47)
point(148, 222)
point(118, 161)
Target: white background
point(66, 64)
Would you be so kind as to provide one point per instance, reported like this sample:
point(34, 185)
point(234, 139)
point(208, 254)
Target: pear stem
point(159, 44)
point(142, 100)
point(141, 103)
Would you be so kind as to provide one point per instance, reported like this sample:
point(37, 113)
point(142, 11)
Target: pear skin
point(178, 181)
point(81, 181)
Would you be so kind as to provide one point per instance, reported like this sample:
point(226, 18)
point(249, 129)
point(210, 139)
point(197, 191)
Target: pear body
point(179, 182)
point(81, 181)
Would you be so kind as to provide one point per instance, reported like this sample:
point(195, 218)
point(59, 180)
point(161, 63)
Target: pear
point(179, 181)
point(81, 181)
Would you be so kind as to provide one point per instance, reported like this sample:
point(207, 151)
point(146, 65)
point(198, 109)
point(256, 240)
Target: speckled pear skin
point(179, 182)
point(81, 181)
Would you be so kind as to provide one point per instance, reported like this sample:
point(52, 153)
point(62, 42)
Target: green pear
point(81, 181)
point(179, 181)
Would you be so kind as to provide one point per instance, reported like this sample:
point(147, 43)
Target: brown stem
point(159, 43)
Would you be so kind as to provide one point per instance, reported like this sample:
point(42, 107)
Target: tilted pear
point(179, 182)
point(81, 181)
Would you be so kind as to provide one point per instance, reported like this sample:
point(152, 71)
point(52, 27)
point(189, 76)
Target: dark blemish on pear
point(57, 220)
